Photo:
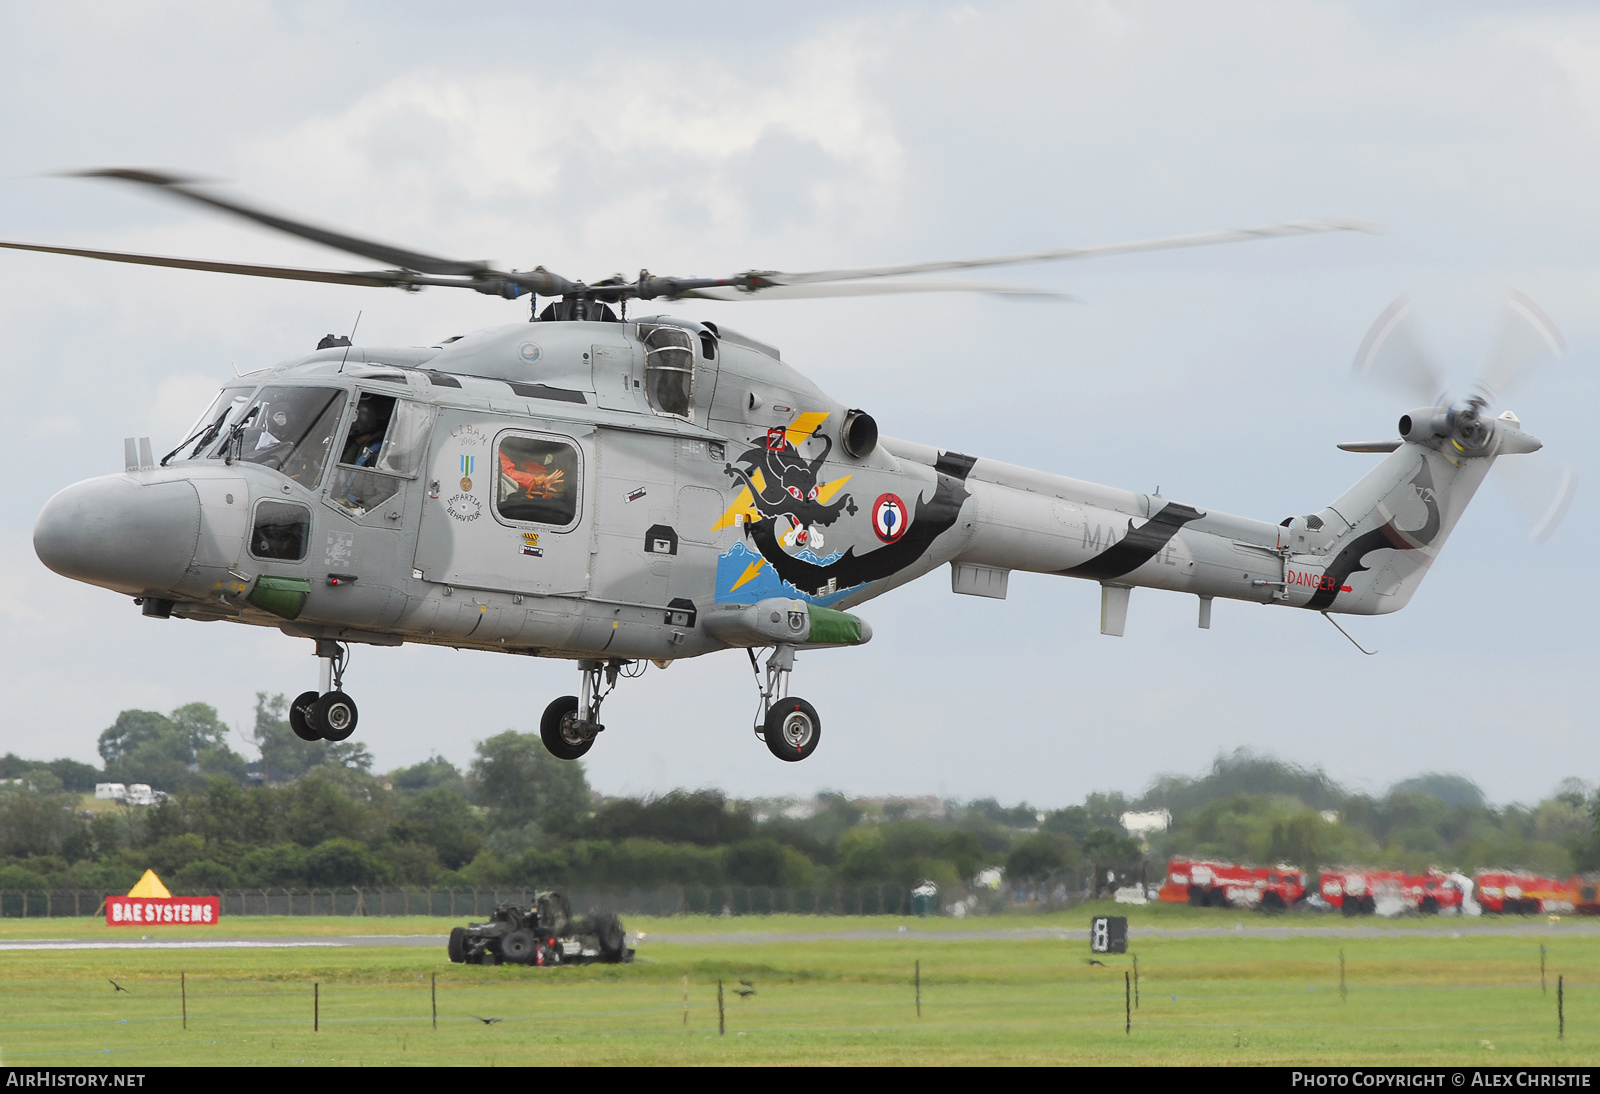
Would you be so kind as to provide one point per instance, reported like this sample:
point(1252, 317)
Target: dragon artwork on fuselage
point(783, 483)
point(782, 504)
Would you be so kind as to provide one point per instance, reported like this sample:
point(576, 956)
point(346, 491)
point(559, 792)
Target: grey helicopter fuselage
point(659, 489)
point(621, 492)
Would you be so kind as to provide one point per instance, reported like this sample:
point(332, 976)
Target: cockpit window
point(669, 370)
point(387, 441)
point(223, 411)
point(289, 429)
point(406, 442)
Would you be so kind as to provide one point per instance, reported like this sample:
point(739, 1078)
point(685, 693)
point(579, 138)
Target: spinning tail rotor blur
point(1541, 489)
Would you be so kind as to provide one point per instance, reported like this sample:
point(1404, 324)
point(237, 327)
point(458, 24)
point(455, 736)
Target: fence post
point(1542, 985)
point(1342, 994)
point(316, 1007)
point(722, 1024)
point(919, 987)
point(183, 986)
point(433, 992)
point(686, 999)
point(1561, 1008)
point(1135, 981)
point(1127, 1004)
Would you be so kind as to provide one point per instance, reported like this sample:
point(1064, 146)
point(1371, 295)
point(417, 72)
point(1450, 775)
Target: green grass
point(1234, 999)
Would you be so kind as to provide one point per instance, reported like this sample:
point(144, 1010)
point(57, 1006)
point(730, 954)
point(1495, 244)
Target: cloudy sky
point(722, 137)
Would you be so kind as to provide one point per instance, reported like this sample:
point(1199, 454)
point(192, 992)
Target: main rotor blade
point(1203, 239)
point(1541, 489)
point(379, 252)
point(376, 278)
point(1527, 338)
point(867, 288)
point(1390, 353)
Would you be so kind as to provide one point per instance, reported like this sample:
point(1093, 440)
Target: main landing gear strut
point(570, 724)
point(327, 714)
point(788, 724)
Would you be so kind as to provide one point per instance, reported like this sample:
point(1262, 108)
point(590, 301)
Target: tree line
point(316, 815)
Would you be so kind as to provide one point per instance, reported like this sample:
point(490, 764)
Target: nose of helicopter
point(120, 533)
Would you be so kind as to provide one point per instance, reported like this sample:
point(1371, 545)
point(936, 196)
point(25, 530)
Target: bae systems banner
point(145, 911)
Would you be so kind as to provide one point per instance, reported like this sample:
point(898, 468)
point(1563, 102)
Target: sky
point(722, 137)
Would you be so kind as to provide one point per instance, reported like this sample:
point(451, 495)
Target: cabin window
point(289, 429)
point(537, 481)
point(386, 442)
point(281, 531)
point(669, 370)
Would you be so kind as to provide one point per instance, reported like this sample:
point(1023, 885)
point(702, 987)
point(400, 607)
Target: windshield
point(290, 429)
point(224, 410)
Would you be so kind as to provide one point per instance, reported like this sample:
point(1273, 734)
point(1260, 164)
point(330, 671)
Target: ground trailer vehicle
point(545, 934)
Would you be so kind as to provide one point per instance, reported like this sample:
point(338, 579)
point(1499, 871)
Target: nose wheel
point(787, 724)
point(328, 714)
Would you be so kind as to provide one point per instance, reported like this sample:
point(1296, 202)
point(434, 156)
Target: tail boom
point(1365, 554)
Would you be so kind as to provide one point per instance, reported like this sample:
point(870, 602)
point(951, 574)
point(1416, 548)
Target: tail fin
point(1393, 523)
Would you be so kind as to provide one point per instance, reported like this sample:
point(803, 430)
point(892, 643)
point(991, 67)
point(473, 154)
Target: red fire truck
point(1365, 892)
point(1503, 892)
point(1223, 884)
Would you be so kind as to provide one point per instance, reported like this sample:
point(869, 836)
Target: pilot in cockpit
point(361, 448)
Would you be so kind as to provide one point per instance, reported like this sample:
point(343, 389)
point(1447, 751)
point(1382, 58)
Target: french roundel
point(889, 517)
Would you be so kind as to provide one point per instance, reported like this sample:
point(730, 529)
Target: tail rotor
point(1541, 489)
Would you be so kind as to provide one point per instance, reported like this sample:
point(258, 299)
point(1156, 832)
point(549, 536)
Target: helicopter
point(618, 492)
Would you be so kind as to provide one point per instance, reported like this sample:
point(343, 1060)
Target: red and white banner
point(161, 911)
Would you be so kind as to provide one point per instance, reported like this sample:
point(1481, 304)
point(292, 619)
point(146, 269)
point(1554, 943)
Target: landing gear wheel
point(558, 729)
point(792, 729)
point(335, 715)
point(456, 948)
point(300, 717)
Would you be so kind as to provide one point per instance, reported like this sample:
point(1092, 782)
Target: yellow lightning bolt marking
point(744, 505)
point(750, 571)
point(804, 425)
point(827, 490)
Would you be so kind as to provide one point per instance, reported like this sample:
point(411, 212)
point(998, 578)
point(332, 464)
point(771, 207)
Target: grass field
point(1462, 997)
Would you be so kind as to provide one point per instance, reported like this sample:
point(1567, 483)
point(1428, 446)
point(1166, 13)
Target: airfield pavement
point(1215, 986)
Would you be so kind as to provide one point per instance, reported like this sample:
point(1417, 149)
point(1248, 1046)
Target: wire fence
point(887, 898)
point(1056, 1004)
